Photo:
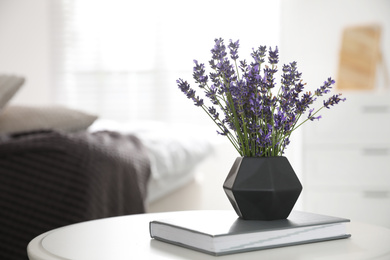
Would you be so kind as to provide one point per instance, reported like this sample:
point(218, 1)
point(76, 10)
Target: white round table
point(128, 237)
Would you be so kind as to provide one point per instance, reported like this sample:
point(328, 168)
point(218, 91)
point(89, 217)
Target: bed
point(60, 166)
point(173, 149)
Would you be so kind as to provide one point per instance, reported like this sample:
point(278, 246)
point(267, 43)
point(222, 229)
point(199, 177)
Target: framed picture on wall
point(359, 57)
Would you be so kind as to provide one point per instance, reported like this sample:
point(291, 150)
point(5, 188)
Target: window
point(121, 58)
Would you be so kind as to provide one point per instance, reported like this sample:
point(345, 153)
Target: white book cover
point(222, 232)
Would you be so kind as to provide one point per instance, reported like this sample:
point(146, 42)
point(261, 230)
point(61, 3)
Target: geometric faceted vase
point(262, 188)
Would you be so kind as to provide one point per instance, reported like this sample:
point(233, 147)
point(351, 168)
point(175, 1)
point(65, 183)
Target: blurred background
point(120, 59)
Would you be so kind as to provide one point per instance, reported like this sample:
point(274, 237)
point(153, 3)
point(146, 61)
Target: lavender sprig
point(255, 120)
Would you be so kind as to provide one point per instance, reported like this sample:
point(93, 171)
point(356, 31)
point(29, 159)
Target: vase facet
point(262, 188)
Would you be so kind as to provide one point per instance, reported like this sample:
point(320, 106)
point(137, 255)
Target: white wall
point(311, 32)
point(24, 47)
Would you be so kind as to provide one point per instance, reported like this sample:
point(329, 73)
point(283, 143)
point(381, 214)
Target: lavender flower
point(198, 74)
point(233, 46)
point(312, 117)
point(244, 106)
point(333, 100)
point(324, 89)
point(258, 55)
point(273, 57)
point(190, 93)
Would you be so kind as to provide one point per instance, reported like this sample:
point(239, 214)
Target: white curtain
point(120, 58)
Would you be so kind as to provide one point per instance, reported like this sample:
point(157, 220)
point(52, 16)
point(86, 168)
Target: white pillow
point(14, 119)
point(9, 85)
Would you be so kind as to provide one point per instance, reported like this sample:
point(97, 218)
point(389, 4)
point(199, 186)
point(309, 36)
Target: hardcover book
point(222, 232)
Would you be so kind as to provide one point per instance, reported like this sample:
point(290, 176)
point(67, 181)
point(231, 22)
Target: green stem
point(308, 118)
point(228, 135)
point(236, 123)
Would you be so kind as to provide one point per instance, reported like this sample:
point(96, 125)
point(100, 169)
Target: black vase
point(262, 188)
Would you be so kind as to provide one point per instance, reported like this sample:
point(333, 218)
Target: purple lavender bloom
point(198, 74)
point(324, 89)
point(214, 113)
point(273, 57)
point(243, 66)
point(212, 95)
point(190, 93)
point(183, 85)
point(219, 50)
point(233, 46)
point(244, 106)
point(198, 101)
point(312, 118)
point(258, 55)
point(304, 102)
point(333, 100)
point(225, 131)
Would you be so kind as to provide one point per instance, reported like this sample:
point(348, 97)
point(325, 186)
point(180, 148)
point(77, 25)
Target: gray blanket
point(50, 179)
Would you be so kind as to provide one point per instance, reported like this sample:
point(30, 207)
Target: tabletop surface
point(127, 237)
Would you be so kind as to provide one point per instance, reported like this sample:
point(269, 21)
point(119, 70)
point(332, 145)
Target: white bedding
point(174, 150)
